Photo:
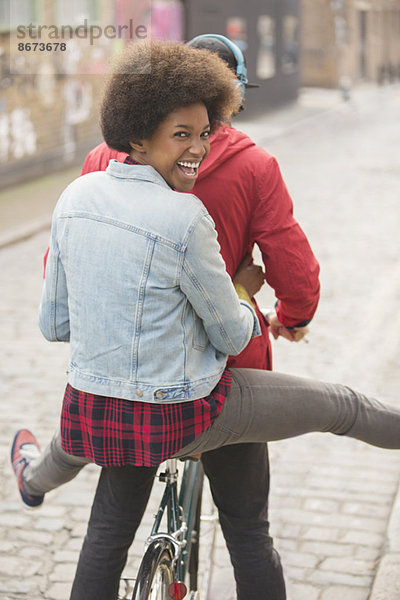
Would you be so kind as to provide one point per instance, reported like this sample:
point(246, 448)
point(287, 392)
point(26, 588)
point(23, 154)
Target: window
point(267, 47)
point(4, 14)
point(167, 20)
point(74, 12)
point(16, 12)
point(236, 30)
point(290, 49)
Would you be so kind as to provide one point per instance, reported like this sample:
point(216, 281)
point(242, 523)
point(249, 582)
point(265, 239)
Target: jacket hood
point(225, 143)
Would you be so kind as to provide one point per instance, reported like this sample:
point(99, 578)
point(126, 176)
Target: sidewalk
point(335, 505)
point(387, 581)
point(27, 208)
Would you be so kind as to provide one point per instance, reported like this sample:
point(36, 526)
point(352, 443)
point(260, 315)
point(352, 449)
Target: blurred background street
point(328, 108)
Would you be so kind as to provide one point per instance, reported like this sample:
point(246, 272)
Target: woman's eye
point(206, 134)
point(181, 134)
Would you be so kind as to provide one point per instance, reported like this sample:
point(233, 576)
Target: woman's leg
point(120, 501)
point(51, 468)
point(267, 406)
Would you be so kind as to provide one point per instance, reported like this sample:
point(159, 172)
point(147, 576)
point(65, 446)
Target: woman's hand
point(278, 330)
point(250, 276)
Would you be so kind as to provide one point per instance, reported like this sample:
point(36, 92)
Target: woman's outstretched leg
point(268, 406)
point(39, 472)
point(285, 406)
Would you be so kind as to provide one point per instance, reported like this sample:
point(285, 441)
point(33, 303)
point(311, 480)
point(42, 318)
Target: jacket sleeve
point(230, 323)
point(290, 265)
point(53, 311)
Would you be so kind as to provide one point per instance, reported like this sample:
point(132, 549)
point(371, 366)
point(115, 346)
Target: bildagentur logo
point(61, 33)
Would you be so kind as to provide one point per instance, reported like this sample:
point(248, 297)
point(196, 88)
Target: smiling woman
point(177, 147)
point(152, 80)
point(161, 103)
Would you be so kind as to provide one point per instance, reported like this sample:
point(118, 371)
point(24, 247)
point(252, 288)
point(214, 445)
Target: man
point(242, 188)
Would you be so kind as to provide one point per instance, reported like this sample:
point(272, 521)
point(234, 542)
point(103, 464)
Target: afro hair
point(152, 79)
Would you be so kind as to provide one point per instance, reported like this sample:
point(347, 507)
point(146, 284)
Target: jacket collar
point(135, 172)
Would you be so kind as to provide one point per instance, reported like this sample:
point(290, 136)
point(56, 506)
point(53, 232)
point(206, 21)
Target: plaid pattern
point(113, 432)
point(130, 161)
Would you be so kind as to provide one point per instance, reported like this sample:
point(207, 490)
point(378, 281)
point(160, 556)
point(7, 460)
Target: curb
point(19, 234)
point(386, 584)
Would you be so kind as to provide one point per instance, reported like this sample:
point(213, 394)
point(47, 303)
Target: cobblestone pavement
point(331, 498)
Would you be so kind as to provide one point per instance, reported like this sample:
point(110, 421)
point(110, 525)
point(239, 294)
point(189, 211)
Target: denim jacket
point(136, 283)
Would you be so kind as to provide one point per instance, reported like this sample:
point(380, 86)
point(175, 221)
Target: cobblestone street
point(331, 498)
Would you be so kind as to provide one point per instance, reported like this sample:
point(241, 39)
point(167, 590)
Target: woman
point(135, 282)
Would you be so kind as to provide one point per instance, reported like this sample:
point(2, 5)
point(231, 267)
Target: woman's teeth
point(194, 165)
point(189, 168)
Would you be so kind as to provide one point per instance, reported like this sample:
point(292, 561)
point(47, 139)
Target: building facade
point(268, 31)
point(53, 56)
point(48, 98)
point(345, 41)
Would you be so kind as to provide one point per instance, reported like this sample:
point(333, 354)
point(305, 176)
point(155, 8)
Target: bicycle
point(169, 568)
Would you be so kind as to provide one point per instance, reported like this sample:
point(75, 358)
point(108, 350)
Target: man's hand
point(278, 330)
point(250, 276)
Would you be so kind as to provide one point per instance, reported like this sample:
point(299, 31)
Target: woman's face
point(178, 146)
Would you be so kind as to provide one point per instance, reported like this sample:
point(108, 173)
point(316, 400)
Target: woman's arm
point(53, 311)
point(230, 323)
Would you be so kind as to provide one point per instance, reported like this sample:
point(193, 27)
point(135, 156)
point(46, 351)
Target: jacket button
point(160, 395)
point(139, 393)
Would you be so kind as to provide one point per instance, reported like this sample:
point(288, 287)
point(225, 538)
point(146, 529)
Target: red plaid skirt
point(113, 432)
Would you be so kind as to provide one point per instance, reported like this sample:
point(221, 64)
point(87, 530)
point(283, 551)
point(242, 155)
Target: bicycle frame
point(180, 511)
point(169, 567)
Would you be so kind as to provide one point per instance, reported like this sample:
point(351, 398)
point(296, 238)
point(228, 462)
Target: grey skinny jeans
point(262, 406)
point(269, 406)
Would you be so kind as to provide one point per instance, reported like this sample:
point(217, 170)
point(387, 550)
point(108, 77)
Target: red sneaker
point(24, 449)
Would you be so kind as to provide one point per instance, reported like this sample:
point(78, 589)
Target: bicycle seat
point(194, 457)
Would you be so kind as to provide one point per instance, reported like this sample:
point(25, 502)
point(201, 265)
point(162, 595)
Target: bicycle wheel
point(156, 572)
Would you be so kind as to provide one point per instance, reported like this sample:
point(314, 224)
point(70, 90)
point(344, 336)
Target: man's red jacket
point(242, 188)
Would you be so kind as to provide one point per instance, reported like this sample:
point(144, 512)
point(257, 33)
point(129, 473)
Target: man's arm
point(290, 266)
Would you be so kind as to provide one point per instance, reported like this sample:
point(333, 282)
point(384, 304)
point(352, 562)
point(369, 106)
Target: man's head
point(229, 52)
